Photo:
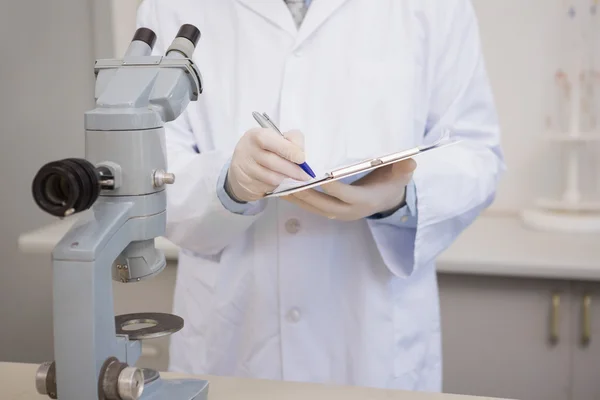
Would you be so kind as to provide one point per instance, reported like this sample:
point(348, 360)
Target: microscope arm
point(82, 270)
point(89, 237)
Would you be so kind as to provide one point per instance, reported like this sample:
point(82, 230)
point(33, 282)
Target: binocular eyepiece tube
point(142, 43)
point(185, 42)
point(145, 35)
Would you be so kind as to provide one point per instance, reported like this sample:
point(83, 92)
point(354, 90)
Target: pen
point(266, 122)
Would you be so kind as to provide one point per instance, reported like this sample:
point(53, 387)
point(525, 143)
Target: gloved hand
point(261, 161)
point(383, 190)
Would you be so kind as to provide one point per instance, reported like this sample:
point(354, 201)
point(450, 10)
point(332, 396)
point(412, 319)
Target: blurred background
point(520, 289)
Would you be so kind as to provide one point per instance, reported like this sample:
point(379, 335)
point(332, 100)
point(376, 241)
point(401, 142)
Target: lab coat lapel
point(275, 11)
point(318, 12)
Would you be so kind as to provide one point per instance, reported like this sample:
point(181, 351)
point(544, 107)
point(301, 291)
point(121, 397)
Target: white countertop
point(503, 246)
point(493, 245)
point(18, 383)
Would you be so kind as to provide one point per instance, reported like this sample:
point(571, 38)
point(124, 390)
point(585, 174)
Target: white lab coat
point(285, 294)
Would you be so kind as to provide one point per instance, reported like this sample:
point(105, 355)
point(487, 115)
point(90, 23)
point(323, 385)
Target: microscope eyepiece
point(66, 187)
point(189, 32)
point(145, 35)
point(185, 42)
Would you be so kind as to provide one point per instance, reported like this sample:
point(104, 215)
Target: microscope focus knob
point(45, 379)
point(130, 383)
point(162, 178)
point(118, 381)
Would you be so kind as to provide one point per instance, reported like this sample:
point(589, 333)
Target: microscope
point(122, 180)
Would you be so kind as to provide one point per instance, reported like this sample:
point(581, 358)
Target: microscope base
point(177, 389)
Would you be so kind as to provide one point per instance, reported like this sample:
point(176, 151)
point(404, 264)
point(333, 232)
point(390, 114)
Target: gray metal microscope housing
point(122, 179)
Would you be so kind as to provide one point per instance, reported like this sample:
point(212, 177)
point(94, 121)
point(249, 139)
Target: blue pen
point(266, 122)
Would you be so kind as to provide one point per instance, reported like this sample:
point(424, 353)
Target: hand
point(382, 190)
point(261, 161)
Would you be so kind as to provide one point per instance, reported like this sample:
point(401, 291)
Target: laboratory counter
point(17, 382)
point(493, 246)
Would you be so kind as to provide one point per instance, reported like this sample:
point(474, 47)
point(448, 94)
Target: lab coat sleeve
point(405, 216)
point(251, 208)
point(197, 219)
point(452, 185)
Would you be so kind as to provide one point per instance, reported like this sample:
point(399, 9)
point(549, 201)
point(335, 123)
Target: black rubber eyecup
point(70, 184)
point(145, 35)
point(190, 32)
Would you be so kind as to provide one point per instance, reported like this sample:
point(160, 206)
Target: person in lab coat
point(338, 285)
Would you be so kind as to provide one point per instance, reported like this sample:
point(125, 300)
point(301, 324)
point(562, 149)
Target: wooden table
point(17, 382)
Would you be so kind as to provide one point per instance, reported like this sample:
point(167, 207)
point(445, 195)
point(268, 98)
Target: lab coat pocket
point(379, 108)
point(200, 269)
point(194, 297)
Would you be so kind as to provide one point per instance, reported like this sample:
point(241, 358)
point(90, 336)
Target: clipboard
point(290, 186)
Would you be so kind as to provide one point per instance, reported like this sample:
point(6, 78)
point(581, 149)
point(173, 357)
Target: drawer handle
point(555, 319)
point(586, 331)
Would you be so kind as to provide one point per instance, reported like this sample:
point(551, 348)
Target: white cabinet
point(497, 337)
point(521, 338)
point(585, 341)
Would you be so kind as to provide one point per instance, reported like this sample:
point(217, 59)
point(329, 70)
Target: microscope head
point(140, 92)
point(144, 91)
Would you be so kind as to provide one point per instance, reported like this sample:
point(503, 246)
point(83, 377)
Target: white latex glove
point(383, 190)
point(261, 161)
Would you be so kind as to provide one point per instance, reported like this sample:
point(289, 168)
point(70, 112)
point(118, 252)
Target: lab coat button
point(298, 53)
point(294, 315)
point(292, 226)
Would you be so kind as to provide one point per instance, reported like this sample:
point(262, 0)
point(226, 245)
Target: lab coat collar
point(318, 13)
point(276, 12)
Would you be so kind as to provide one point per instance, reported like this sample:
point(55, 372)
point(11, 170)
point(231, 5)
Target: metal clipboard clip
point(368, 165)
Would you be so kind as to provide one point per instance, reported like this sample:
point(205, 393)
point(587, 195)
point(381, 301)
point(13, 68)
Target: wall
point(123, 23)
point(518, 46)
point(522, 45)
point(46, 81)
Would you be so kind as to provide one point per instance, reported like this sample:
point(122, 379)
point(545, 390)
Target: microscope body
point(123, 180)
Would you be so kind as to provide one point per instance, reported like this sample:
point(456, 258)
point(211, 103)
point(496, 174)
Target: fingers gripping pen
point(266, 122)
